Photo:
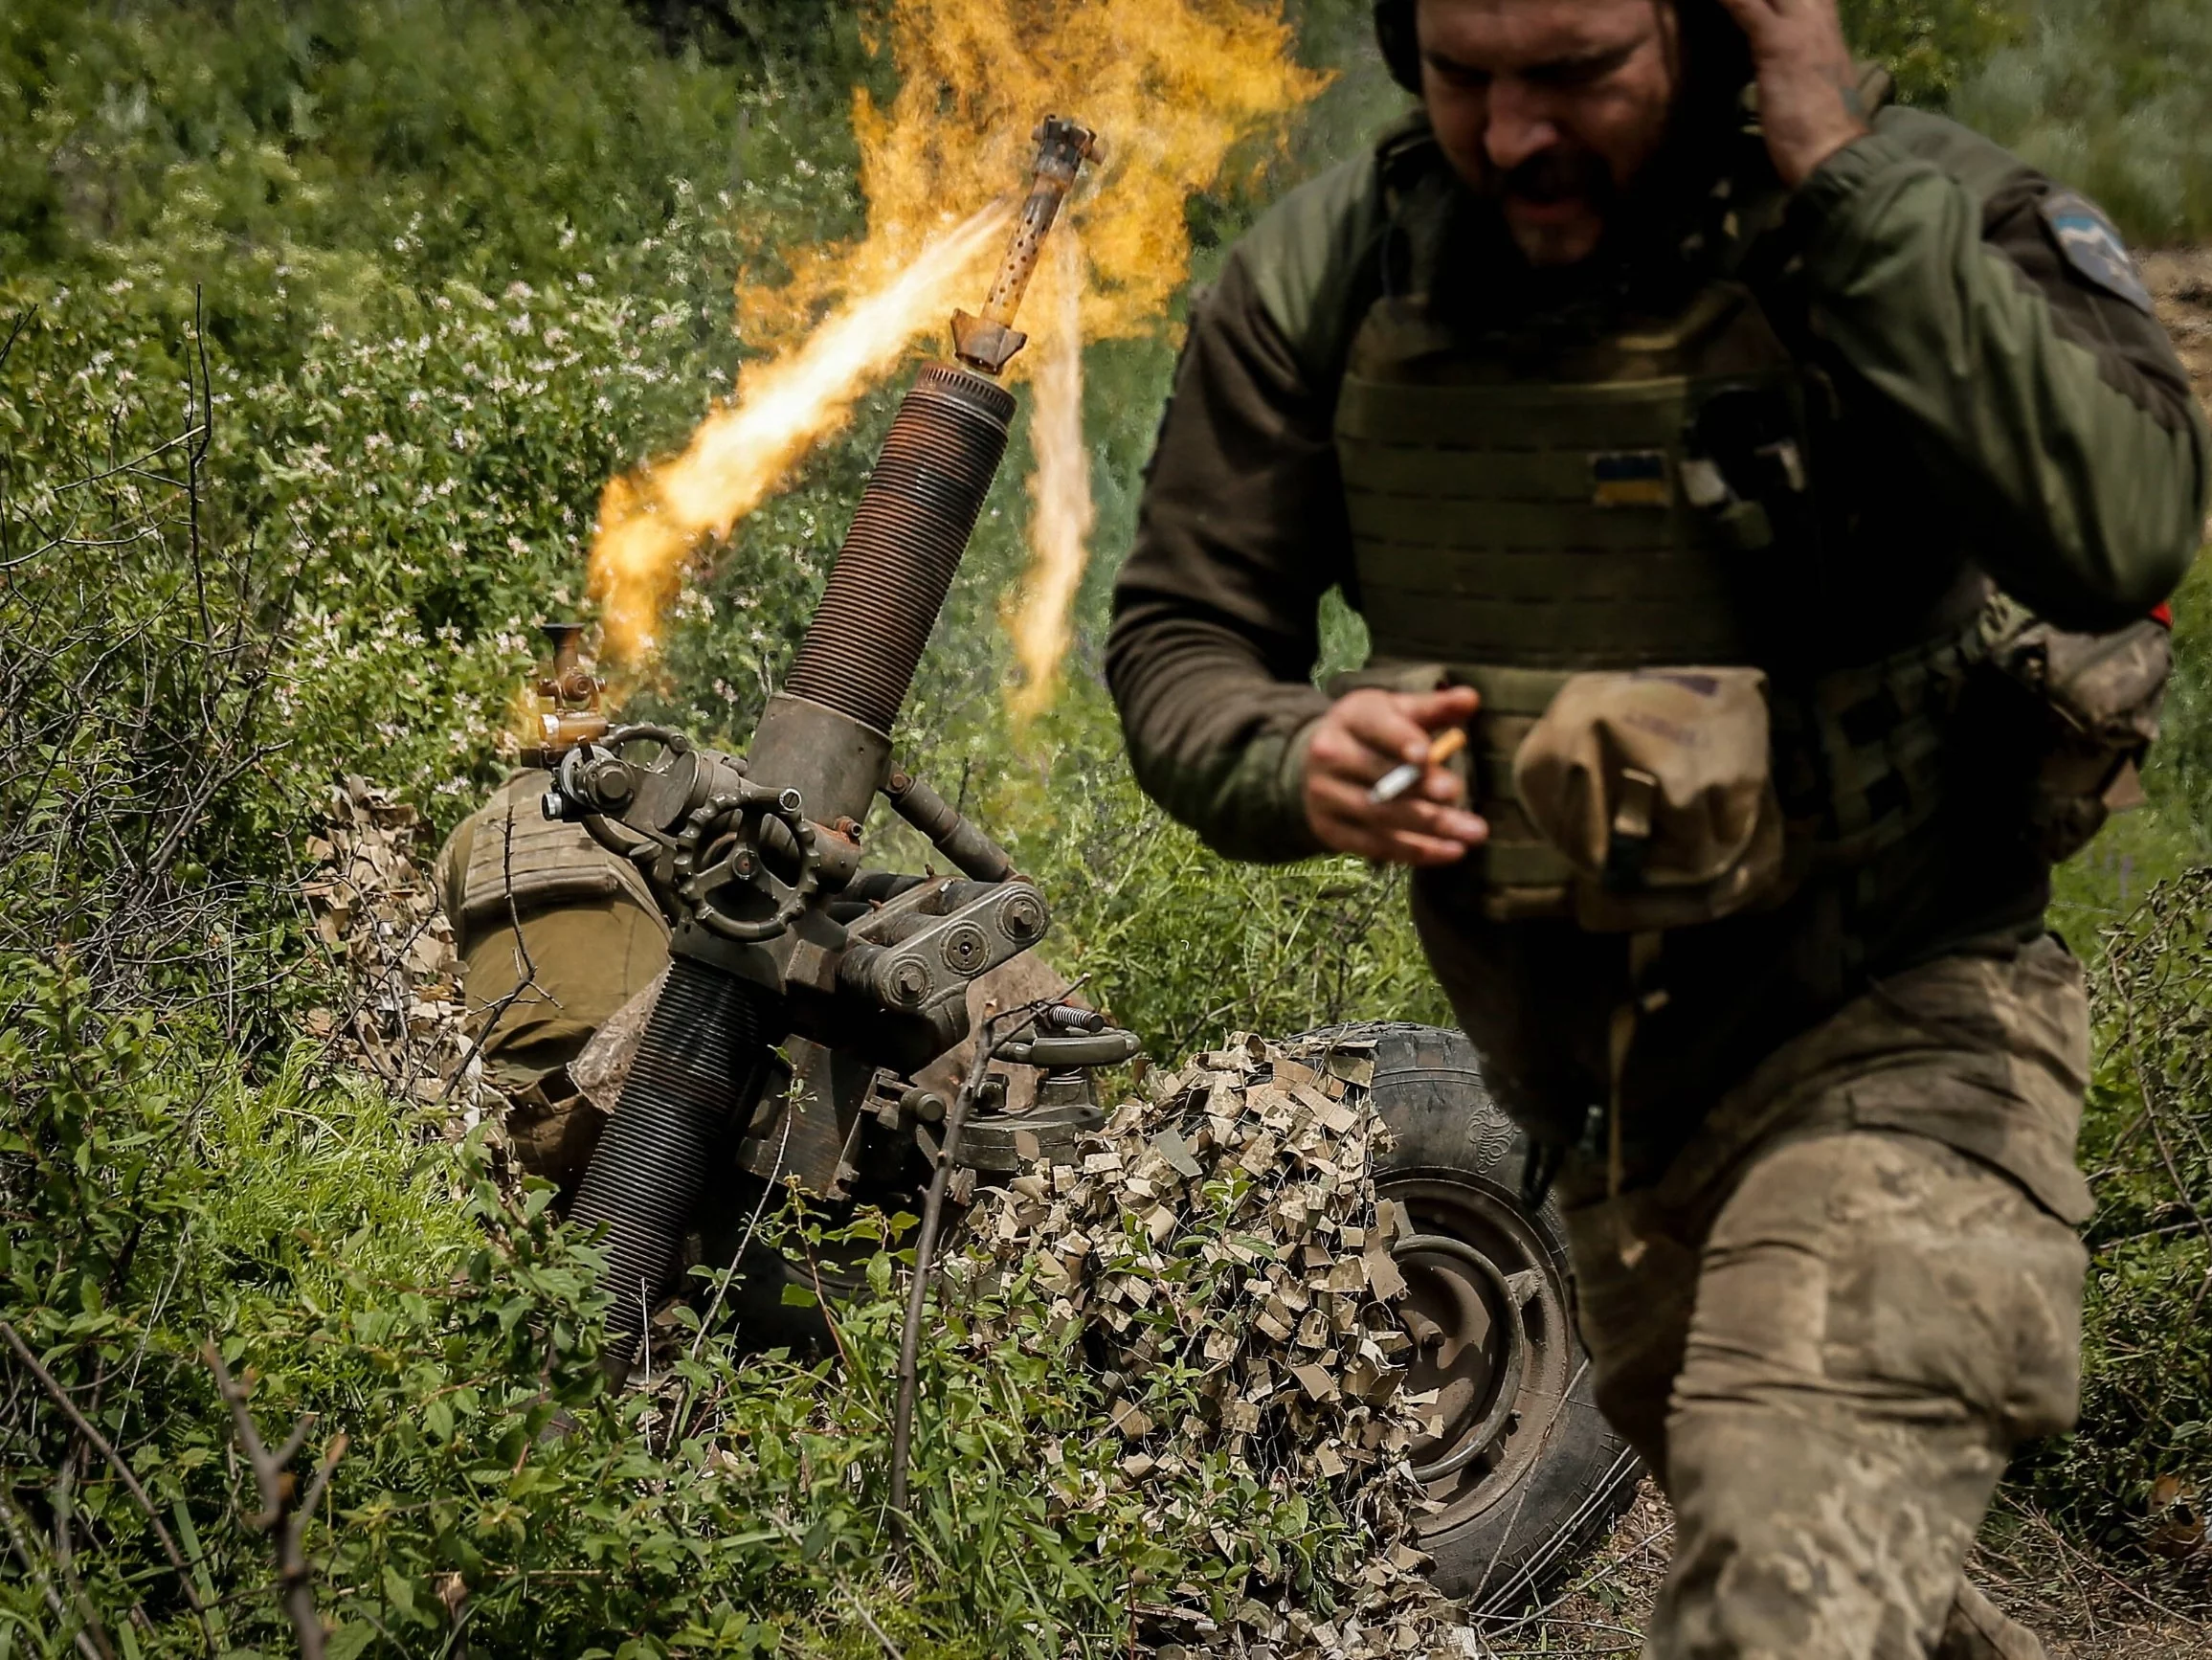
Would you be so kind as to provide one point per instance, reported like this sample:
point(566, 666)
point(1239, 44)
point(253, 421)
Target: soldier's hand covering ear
point(1365, 735)
point(1809, 101)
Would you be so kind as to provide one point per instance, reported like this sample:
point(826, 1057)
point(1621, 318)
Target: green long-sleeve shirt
point(1989, 383)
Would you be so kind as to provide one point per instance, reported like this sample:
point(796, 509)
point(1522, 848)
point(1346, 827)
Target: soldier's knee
point(1897, 1272)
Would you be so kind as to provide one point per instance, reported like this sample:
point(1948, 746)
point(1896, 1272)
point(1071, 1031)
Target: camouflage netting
point(1219, 1252)
point(377, 908)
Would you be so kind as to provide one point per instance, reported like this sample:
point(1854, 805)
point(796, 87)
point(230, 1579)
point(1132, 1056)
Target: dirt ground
point(2080, 1609)
point(2180, 283)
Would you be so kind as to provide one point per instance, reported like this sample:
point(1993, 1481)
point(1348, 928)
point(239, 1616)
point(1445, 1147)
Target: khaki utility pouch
point(2097, 699)
point(1657, 786)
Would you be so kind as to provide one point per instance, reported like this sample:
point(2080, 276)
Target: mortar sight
point(569, 695)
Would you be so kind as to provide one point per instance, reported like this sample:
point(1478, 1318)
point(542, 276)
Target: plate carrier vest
point(1620, 501)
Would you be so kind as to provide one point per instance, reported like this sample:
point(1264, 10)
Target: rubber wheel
point(1525, 1484)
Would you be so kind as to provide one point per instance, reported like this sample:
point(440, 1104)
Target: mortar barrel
point(907, 538)
point(698, 1067)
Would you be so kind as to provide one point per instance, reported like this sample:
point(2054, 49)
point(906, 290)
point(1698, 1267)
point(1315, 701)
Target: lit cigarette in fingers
point(1400, 779)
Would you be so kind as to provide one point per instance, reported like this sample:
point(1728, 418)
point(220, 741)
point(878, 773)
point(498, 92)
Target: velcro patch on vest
point(2093, 247)
point(1630, 479)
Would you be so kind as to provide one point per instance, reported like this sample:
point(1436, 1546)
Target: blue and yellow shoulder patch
point(2093, 247)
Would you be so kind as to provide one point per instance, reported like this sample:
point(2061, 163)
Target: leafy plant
point(1931, 46)
point(2147, 1378)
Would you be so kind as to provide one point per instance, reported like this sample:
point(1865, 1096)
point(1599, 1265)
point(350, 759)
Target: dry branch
point(284, 1510)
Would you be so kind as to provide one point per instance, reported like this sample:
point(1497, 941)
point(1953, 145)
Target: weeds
point(2109, 97)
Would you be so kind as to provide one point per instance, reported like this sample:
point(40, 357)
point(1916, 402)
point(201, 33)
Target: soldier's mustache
point(1557, 176)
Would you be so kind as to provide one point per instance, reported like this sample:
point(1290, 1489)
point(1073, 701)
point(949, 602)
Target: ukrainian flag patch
point(1630, 479)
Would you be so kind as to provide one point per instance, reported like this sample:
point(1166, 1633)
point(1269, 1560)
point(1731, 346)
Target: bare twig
point(875, 1630)
point(678, 1423)
point(22, 318)
point(2066, 1548)
point(115, 1462)
point(745, 1244)
point(284, 1510)
point(830, 1320)
point(202, 417)
point(844, 1589)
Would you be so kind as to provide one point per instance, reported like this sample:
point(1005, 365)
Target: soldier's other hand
point(1810, 105)
point(1366, 733)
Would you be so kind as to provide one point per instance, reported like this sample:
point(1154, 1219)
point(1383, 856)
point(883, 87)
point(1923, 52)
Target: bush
point(1931, 46)
point(306, 160)
point(438, 1340)
point(2109, 97)
point(2147, 1374)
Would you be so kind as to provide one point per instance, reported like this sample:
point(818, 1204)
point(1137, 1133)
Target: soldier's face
point(1555, 107)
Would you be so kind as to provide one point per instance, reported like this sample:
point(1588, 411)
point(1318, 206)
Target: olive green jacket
point(2006, 407)
point(2042, 413)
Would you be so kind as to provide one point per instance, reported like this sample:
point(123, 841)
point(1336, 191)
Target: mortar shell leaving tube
point(988, 342)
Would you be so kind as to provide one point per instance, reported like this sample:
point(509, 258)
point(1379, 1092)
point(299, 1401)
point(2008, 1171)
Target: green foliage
point(1931, 46)
point(156, 1199)
point(2147, 1374)
point(305, 159)
point(2181, 771)
point(2110, 96)
point(1181, 945)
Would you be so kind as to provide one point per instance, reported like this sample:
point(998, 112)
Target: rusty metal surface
point(988, 342)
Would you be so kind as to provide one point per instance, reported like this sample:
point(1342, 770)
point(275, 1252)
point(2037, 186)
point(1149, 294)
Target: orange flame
point(1171, 86)
point(649, 521)
point(1062, 511)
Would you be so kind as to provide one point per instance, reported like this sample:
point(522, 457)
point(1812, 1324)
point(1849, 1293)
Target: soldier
point(564, 934)
point(1676, 451)
point(561, 943)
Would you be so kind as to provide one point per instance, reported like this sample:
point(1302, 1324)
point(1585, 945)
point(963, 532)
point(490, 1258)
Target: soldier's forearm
point(1215, 632)
point(2051, 411)
point(1217, 741)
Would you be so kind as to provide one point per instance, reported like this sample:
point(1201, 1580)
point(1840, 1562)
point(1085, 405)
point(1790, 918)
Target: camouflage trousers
point(1831, 1319)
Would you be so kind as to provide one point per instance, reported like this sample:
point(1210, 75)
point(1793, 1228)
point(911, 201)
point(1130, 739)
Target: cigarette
point(1400, 779)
